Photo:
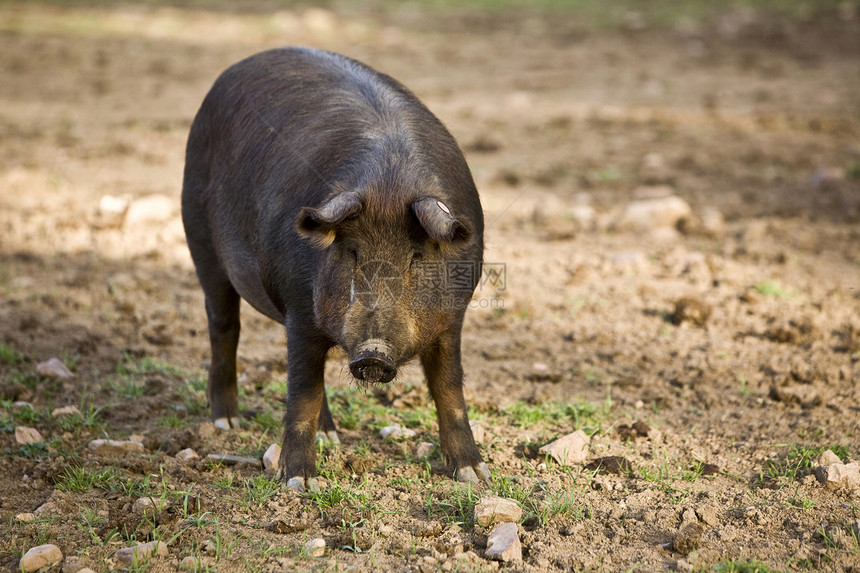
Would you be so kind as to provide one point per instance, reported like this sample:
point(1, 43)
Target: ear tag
point(443, 206)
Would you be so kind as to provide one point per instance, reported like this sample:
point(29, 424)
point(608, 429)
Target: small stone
point(149, 506)
point(504, 544)
point(826, 458)
point(139, 438)
point(53, 368)
point(396, 431)
point(492, 509)
point(424, 449)
point(315, 547)
point(288, 525)
point(150, 209)
point(104, 447)
point(855, 527)
point(46, 508)
point(231, 460)
point(25, 517)
point(569, 449)
point(477, 431)
point(41, 557)
point(188, 563)
point(206, 430)
point(75, 567)
point(186, 455)
point(70, 410)
point(650, 213)
point(139, 553)
point(271, 458)
point(839, 476)
point(27, 435)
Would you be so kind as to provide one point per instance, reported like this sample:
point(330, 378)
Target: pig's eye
point(353, 253)
point(416, 257)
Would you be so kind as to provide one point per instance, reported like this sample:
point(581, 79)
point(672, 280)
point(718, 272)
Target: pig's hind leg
point(444, 373)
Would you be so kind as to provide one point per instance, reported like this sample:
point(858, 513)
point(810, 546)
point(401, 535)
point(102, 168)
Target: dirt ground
point(751, 118)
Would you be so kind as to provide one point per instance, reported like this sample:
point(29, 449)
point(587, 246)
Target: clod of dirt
point(53, 368)
point(478, 432)
point(134, 555)
point(25, 517)
point(504, 544)
point(104, 447)
point(611, 464)
point(271, 458)
point(186, 455)
point(569, 449)
point(359, 463)
point(639, 429)
point(493, 509)
point(791, 332)
point(27, 435)
point(826, 458)
point(688, 538)
point(690, 309)
point(287, 526)
point(806, 396)
point(708, 514)
point(149, 506)
point(839, 476)
point(40, 557)
point(710, 469)
point(70, 410)
point(424, 449)
point(656, 208)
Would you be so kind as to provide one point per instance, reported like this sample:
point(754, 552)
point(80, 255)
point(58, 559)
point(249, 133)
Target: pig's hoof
point(328, 437)
point(474, 474)
point(301, 484)
point(226, 423)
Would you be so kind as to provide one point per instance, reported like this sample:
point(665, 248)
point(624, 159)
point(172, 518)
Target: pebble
point(130, 555)
point(493, 509)
point(396, 431)
point(40, 557)
point(708, 515)
point(649, 213)
point(477, 431)
point(27, 435)
point(826, 458)
point(271, 458)
point(504, 544)
point(25, 517)
point(186, 455)
point(424, 449)
point(104, 447)
point(839, 476)
point(315, 547)
point(231, 460)
point(150, 209)
point(149, 505)
point(569, 449)
point(691, 309)
point(189, 563)
point(139, 438)
point(70, 410)
point(53, 368)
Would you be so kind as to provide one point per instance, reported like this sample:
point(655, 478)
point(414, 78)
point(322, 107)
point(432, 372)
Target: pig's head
point(372, 294)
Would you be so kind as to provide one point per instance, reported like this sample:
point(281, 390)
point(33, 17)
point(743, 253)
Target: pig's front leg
point(306, 355)
point(444, 373)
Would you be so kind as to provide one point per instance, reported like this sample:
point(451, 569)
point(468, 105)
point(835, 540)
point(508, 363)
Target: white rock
point(53, 368)
point(569, 449)
point(839, 476)
point(25, 517)
point(41, 557)
point(713, 222)
point(271, 458)
point(46, 508)
point(188, 563)
point(827, 458)
point(104, 447)
point(395, 431)
point(70, 410)
point(646, 214)
point(150, 209)
point(492, 509)
point(424, 449)
point(504, 544)
point(149, 505)
point(315, 547)
point(477, 431)
point(186, 455)
point(114, 206)
point(139, 553)
point(27, 435)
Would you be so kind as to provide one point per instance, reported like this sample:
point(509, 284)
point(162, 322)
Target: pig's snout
point(372, 364)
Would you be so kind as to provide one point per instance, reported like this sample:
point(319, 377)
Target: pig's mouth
point(372, 363)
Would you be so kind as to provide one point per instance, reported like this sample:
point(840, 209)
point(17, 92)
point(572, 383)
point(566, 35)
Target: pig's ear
point(439, 223)
point(319, 224)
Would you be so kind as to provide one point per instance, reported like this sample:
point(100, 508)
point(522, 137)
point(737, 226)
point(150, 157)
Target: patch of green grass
point(799, 461)
point(257, 490)
point(86, 417)
point(267, 421)
point(37, 451)
point(130, 366)
point(771, 288)
point(9, 355)
point(354, 407)
point(457, 505)
point(581, 414)
point(79, 478)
